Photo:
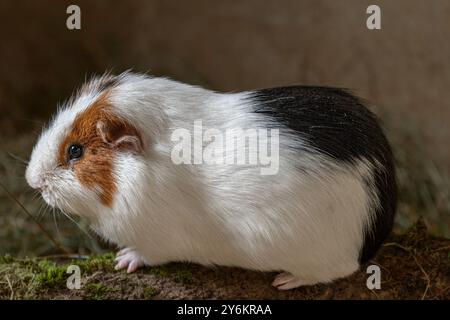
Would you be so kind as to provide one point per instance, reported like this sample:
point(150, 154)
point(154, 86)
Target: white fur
point(307, 222)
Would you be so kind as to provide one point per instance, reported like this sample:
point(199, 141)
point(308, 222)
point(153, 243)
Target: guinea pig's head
point(73, 164)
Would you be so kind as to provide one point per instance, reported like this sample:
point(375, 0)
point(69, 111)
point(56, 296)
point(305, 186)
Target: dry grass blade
point(441, 248)
point(410, 251)
point(63, 256)
point(10, 287)
point(55, 243)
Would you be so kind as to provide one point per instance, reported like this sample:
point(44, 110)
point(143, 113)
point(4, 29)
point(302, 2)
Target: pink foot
point(130, 259)
point(287, 281)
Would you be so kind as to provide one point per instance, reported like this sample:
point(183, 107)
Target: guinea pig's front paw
point(129, 258)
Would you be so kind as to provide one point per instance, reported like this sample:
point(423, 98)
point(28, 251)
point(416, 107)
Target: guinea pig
point(119, 153)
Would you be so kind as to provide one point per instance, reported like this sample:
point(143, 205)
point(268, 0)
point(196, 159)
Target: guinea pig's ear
point(120, 135)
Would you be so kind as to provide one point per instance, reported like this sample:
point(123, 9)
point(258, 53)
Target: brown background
point(402, 70)
point(234, 45)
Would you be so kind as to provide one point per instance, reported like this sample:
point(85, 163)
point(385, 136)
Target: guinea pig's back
point(336, 125)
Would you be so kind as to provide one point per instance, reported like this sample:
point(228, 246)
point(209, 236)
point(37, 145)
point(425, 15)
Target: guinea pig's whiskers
point(41, 212)
point(17, 158)
point(35, 195)
point(68, 216)
point(58, 234)
point(45, 209)
point(32, 216)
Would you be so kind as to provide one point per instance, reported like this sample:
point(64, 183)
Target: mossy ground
point(414, 265)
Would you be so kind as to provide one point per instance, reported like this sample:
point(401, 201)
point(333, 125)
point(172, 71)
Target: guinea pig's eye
point(75, 151)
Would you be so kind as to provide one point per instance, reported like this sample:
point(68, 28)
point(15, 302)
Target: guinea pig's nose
point(35, 186)
point(35, 182)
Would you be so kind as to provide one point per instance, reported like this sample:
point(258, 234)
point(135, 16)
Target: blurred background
point(402, 70)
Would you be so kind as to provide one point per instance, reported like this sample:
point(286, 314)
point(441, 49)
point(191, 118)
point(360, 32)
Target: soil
point(413, 265)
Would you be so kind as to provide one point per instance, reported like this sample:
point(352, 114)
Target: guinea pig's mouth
point(54, 199)
point(48, 197)
point(46, 193)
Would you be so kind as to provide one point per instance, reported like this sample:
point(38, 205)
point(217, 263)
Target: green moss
point(17, 282)
point(54, 276)
point(51, 275)
point(150, 292)
point(183, 276)
point(6, 259)
point(32, 278)
point(29, 278)
point(96, 291)
point(96, 263)
point(160, 271)
point(180, 272)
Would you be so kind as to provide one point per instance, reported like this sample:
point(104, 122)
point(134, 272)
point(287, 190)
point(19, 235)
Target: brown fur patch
point(95, 168)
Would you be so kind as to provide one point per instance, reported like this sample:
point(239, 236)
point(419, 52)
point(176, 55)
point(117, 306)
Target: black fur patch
point(336, 123)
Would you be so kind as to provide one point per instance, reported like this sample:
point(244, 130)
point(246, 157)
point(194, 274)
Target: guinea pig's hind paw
point(286, 281)
point(130, 259)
